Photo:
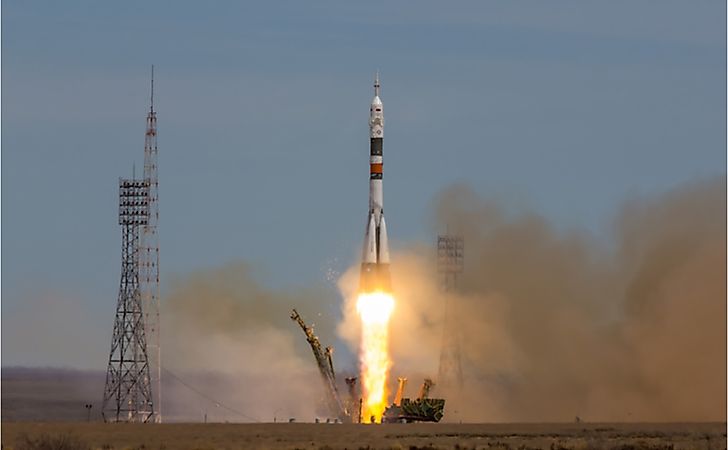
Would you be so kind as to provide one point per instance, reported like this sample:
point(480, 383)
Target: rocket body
point(375, 255)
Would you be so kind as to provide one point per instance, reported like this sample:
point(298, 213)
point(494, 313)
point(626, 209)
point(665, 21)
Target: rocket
point(375, 254)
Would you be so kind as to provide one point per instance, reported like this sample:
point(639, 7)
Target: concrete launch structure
point(375, 256)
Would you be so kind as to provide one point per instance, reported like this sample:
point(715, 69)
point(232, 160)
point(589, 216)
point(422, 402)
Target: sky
point(563, 107)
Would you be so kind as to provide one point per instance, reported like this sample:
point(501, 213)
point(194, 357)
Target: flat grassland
point(72, 436)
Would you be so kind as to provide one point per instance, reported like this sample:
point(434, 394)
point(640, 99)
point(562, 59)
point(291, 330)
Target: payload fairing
point(375, 258)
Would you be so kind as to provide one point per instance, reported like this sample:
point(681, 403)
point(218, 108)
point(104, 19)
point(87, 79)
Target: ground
point(24, 435)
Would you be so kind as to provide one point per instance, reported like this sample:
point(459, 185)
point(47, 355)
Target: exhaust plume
point(233, 341)
point(552, 324)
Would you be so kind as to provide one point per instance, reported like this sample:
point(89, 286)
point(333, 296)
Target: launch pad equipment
point(425, 388)
point(450, 256)
point(422, 409)
point(400, 390)
point(326, 368)
point(354, 401)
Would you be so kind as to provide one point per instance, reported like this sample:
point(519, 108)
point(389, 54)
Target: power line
point(207, 397)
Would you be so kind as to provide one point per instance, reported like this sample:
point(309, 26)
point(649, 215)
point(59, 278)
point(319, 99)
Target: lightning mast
point(150, 255)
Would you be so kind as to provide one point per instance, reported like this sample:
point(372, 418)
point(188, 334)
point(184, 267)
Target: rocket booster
point(375, 255)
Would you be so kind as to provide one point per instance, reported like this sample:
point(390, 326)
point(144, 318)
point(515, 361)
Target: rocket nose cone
point(376, 101)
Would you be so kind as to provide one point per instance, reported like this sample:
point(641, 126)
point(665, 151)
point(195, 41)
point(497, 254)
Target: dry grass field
point(72, 436)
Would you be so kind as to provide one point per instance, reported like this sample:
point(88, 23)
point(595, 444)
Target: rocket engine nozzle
point(375, 278)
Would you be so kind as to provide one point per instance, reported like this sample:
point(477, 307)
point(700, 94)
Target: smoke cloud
point(552, 324)
point(555, 325)
point(231, 340)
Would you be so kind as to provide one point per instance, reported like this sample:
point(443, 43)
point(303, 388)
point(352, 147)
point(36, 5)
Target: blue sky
point(562, 107)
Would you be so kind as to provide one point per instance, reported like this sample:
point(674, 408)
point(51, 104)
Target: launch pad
point(404, 410)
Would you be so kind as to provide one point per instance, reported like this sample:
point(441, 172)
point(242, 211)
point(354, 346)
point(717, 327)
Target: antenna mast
point(150, 255)
point(151, 97)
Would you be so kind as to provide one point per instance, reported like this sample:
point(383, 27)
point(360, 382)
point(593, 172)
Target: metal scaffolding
point(133, 379)
point(128, 393)
point(336, 406)
point(450, 256)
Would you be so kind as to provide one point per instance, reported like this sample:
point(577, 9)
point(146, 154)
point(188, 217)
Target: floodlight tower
point(149, 261)
point(450, 252)
point(134, 371)
point(128, 391)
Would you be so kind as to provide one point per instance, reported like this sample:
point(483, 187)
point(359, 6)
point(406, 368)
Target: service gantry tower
point(450, 253)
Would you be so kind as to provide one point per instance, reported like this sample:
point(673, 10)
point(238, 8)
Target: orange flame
point(374, 309)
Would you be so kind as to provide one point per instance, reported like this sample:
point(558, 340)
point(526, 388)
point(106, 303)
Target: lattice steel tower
point(128, 391)
point(149, 261)
point(134, 371)
point(450, 252)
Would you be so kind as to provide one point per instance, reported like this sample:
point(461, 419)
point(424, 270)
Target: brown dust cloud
point(552, 324)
